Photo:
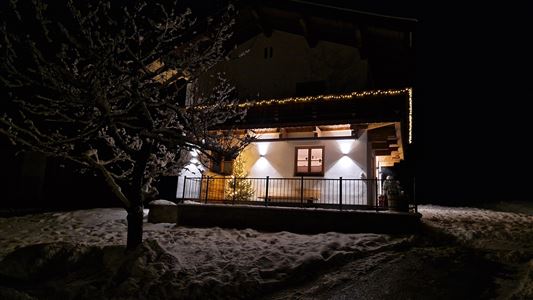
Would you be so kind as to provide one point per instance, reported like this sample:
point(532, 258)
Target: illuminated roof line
point(331, 97)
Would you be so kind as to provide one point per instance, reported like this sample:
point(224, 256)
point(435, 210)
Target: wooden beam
point(318, 132)
point(358, 130)
point(300, 129)
point(265, 130)
point(334, 127)
point(282, 133)
point(392, 140)
point(383, 134)
point(380, 145)
point(326, 138)
point(382, 152)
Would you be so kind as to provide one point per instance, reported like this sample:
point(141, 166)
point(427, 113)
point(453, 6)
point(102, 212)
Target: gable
point(283, 65)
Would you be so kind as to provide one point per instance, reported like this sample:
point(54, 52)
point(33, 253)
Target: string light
point(349, 96)
point(410, 93)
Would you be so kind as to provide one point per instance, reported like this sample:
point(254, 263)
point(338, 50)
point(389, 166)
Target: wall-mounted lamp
point(345, 146)
point(262, 148)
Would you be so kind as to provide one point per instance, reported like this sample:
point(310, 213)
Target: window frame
point(308, 173)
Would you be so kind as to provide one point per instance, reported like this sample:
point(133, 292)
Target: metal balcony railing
point(338, 193)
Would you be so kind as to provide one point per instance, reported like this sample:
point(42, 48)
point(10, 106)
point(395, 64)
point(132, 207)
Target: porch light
point(345, 146)
point(262, 148)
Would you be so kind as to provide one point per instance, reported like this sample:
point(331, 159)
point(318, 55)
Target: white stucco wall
point(342, 158)
point(192, 170)
point(346, 158)
point(278, 160)
point(293, 61)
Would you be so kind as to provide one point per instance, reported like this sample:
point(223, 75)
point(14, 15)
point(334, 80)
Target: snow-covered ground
point(506, 233)
point(229, 263)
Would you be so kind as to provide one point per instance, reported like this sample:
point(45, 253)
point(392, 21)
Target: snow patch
point(161, 202)
point(191, 202)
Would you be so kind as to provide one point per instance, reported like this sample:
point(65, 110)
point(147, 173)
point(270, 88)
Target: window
point(268, 52)
point(309, 161)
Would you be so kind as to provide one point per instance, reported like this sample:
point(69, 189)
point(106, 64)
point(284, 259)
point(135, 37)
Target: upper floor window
point(309, 161)
point(268, 52)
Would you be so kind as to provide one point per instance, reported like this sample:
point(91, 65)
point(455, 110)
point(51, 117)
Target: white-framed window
point(309, 161)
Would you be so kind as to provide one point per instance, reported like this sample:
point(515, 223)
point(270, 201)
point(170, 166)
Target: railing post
point(183, 194)
point(340, 193)
point(376, 194)
point(234, 188)
point(200, 189)
point(266, 191)
point(302, 190)
point(206, 188)
point(414, 195)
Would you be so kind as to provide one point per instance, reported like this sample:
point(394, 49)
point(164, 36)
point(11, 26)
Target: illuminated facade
point(313, 99)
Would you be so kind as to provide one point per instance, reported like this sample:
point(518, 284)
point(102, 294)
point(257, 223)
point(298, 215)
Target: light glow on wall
point(264, 167)
point(345, 146)
point(344, 166)
point(193, 169)
point(262, 148)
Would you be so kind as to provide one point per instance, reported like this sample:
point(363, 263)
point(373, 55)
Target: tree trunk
point(135, 210)
point(135, 226)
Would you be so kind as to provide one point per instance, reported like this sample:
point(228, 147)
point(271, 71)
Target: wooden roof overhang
point(357, 107)
point(385, 114)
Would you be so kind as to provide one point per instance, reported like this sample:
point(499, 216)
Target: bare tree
point(96, 82)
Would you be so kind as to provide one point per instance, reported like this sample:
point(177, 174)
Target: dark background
point(473, 85)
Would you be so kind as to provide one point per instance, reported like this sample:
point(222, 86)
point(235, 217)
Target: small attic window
point(268, 52)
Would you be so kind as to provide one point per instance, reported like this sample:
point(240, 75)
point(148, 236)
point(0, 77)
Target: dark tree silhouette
point(96, 82)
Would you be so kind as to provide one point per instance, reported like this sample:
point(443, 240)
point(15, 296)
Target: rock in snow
point(162, 211)
point(161, 202)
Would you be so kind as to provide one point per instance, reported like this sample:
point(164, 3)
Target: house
point(329, 98)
